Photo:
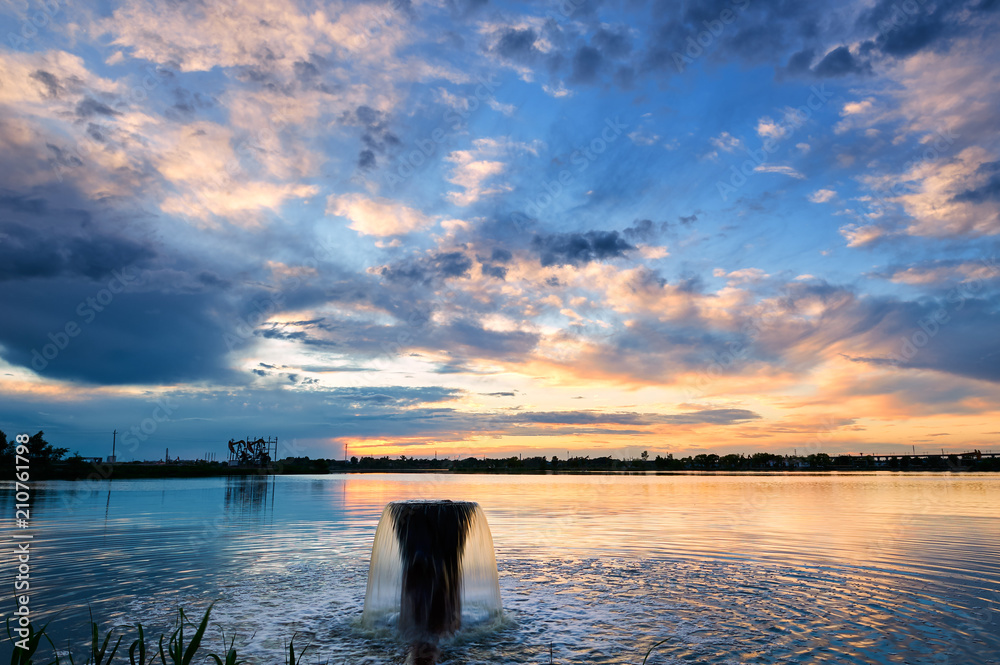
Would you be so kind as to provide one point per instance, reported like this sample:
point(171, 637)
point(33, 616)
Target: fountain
point(432, 563)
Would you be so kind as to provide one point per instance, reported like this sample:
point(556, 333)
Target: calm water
point(732, 569)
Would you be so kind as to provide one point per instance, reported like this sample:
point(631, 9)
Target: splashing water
point(432, 569)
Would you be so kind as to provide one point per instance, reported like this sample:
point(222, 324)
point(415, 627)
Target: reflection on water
point(732, 569)
point(247, 495)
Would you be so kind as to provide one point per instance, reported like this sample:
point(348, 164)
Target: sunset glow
point(460, 228)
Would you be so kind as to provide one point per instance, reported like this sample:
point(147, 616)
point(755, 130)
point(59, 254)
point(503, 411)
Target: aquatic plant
point(168, 650)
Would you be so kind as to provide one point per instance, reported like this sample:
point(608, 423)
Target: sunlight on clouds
point(822, 195)
point(376, 217)
point(950, 196)
point(488, 158)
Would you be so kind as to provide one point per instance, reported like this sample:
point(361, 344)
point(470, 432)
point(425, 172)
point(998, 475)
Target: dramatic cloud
point(577, 248)
point(478, 227)
point(376, 217)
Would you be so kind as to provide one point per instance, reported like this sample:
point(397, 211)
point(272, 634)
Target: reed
point(180, 647)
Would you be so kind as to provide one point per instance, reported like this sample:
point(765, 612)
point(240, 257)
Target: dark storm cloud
point(578, 248)
point(497, 272)
point(801, 62)
point(989, 191)
point(439, 265)
point(953, 333)
point(121, 338)
point(51, 83)
point(613, 42)
point(839, 62)
point(702, 417)
point(89, 107)
point(399, 396)
point(306, 72)
point(29, 248)
point(91, 297)
point(186, 103)
point(366, 159)
point(956, 335)
point(376, 136)
point(807, 37)
point(493, 266)
point(902, 29)
point(517, 45)
point(586, 65)
point(501, 255)
point(644, 230)
point(480, 342)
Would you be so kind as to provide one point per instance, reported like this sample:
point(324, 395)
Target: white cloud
point(950, 196)
point(857, 108)
point(639, 137)
point(822, 195)
point(771, 129)
point(376, 217)
point(743, 276)
point(476, 170)
point(776, 168)
point(726, 141)
point(557, 91)
point(860, 235)
point(506, 109)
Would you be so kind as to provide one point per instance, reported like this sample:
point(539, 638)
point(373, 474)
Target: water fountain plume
point(432, 563)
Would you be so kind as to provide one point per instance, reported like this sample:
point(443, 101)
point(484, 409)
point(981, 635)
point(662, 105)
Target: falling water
point(432, 566)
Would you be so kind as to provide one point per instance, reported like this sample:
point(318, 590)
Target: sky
point(468, 227)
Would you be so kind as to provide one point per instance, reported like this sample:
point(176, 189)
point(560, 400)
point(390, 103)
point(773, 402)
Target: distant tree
point(6, 451)
point(731, 461)
point(40, 452)
point(644, 456)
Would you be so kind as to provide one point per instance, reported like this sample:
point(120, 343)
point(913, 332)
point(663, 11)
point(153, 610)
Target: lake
point(754, 568)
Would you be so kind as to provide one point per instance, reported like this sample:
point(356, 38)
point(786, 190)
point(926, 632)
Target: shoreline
point(133, 471)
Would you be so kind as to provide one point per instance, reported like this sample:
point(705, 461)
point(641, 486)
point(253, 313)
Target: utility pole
point(114, 440)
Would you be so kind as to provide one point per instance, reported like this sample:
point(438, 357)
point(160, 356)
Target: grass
point(173, 649)
point(170, 650)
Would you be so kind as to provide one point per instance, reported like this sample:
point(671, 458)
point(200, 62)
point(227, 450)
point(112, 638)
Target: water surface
point(876, 568)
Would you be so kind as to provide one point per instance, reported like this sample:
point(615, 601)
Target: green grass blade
point(196, 640)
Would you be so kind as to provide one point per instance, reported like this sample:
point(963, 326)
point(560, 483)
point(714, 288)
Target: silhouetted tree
point(41, 453)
